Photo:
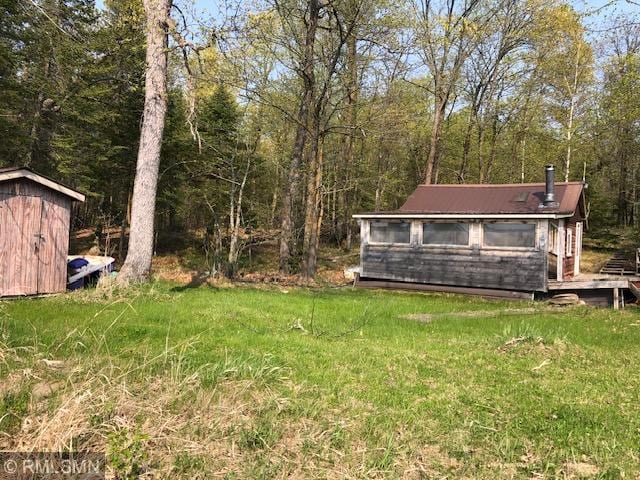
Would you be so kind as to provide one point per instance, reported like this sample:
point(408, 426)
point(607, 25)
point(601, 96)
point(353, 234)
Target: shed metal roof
point(13, 173)
point(524, 199)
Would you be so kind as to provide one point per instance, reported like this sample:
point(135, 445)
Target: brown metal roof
point(523, 198)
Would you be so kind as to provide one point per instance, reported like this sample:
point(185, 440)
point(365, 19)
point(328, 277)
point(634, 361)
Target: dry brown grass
point(263, 270)
point(593, 260)
point(169, 268)
point(84, 407)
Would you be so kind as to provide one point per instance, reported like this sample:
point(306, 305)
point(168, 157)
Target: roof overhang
point(42, 180)
point(457, 216)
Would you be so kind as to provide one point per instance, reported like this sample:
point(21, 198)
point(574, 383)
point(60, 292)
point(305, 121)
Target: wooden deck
point(599, 282)
point(611, 287)
point(588, 281)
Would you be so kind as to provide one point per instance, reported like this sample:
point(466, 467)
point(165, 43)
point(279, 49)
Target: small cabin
point(35, 217)
point(514, 237)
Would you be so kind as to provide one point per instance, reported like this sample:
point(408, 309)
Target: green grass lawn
point(332, 383)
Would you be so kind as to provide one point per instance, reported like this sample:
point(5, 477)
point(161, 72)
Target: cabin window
point(445, 234)
point(383, 231)
point(569, 247)
point(510, 234)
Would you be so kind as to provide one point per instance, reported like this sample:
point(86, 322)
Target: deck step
point(620, 263)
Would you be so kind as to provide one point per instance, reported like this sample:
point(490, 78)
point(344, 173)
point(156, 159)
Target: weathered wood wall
point(472, 267)
point(34, 238)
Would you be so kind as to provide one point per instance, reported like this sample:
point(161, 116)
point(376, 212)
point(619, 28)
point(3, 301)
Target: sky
point(602, 8)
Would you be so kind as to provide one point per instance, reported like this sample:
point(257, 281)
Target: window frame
point(554, 230)
point(534, 248)
point(568, 246)
point(445, 245)
point(373, 220)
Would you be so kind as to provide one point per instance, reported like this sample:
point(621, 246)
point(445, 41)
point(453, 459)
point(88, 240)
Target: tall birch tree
point(137, 265)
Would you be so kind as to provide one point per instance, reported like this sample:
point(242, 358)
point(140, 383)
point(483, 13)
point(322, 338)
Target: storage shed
point(35, 217)
point(514, 237)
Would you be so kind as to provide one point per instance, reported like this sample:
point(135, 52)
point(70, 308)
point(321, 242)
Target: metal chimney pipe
point(549, 191)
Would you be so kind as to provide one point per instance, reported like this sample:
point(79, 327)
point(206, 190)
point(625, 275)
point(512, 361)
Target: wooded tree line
point(285, 117)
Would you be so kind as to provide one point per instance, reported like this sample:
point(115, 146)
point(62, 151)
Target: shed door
point(54, 246)
point(19, 243)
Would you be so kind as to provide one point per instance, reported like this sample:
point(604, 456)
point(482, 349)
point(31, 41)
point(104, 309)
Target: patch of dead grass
point(581, 469)
point(592, 261)
point(430, 461)
point(169, 268)
point(330, 272)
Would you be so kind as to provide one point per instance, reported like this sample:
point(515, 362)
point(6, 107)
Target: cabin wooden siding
point(34, 238)
point(474, 266)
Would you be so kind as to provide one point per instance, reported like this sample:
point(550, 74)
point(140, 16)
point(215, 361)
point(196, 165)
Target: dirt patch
point(45, 389)
point(506, 470)
point(12, 383)
point(430, 462)
point(575, 470)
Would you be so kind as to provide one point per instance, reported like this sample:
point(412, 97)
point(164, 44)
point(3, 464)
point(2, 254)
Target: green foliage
point(72, 82)
point(127, 453)
point(75, 95)
point(186, 464)
point(618, 162)
point(13, 407)
point(219, 121)
point(264, 434)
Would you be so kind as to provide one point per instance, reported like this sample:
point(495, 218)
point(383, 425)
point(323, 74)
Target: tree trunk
point(481, 162)
point(337, 203)
point(622, 181)
point(293, 178)
point(137, 266)
point(355, 199)
point(348, 154)
point(123, 227)
point(567, 160)
point(314, 181)
point(316, 219)
point(274, 200)
point(235, 218)
point(573, 90)
point(436, 135)
point(495, 132)
point(466, 145)
point(523, 152)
